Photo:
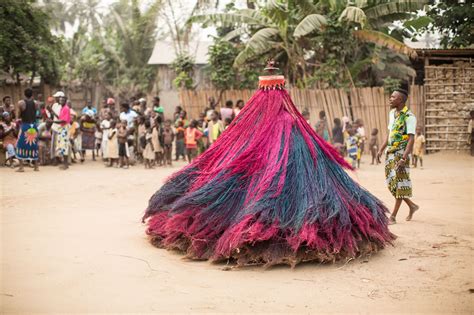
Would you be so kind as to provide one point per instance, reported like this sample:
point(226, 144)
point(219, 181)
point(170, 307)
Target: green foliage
point(222, 73)
point(390, 84)
point(247, 77)
point(454, 21)
point(318, 42)
point(128, 42)
point(27, 45)
point(220, 69)
point(183, 66)
point(329, 75)
point(115, 52)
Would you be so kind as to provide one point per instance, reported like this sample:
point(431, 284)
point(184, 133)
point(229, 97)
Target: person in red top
point(191, 137)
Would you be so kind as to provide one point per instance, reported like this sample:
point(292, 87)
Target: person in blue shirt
point(89, 109)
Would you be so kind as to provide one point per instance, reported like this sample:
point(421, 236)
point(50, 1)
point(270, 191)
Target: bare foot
point(392, 220)
point(20, 170)
point(36, 169)
point(412, 211)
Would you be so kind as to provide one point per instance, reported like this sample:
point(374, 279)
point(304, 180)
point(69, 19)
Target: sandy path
point(85, 251)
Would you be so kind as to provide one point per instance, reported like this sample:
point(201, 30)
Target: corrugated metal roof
point(164, 52)
point(467, 52)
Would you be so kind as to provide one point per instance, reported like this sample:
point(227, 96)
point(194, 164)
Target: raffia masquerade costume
point(268, 191)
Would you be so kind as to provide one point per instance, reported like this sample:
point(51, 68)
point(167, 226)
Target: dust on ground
point(72, 241)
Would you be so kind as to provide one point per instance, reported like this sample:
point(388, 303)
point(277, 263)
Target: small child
point(112, 144)
point(180, 141)
point(122, 144)
point(374, 145)
point(149, 152)
point(105, 128)
point(44, 142)
point(202, 142)
point(75, 134)
point(360, 133)
point(418, 147)
point(337, 134)
point(98, 139)
point(141, 141)
point(157, 139)
point(88, 125)
point(168, 138)
point(192, 136)
point(352, 146)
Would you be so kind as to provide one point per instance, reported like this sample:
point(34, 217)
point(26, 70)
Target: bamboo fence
point(369, 104)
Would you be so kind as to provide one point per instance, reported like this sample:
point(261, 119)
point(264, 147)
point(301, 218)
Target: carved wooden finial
point(271, 66)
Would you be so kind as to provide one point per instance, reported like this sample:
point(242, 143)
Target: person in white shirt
point(398, 146)
point(127, 114)
point(54, 113)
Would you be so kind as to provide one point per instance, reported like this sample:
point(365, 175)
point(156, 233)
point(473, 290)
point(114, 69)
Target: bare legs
point(21, 168)
point(398, 202)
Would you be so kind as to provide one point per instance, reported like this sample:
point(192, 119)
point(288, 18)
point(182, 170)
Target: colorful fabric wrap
point(62, 141)
point(398, 180)
point(27, 144)
point(398, 137)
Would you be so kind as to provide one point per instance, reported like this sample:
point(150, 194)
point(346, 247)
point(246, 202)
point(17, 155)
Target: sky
point(203, 34)
point(186, 6)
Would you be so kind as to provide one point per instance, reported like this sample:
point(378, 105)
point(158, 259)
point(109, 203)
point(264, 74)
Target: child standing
point(105, 127)
point(352, 146)
point(215, 126)
point(122, 144)
point(9, 135)
point(374, 145)
point(141, 141)
point(112, 144)
point(88, 134)
point(192, 136)
point(418, 147)
point(168, 138)
point(76, 139)
point(98, 139)
point(44, 142)
point(180, 141)
point(360, 131)
point(202, 142)
point(337, 134)
point(149, 152)
point(158, 140)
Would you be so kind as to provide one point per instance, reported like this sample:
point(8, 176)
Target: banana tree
point(270, 32)
point(373, 16)
point(287, 29)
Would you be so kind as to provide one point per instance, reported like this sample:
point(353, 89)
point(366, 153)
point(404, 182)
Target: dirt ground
point(73, 242)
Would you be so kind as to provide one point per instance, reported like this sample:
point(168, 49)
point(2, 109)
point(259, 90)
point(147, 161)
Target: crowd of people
point(350, 139)
point(134, 134)
point(137, 133)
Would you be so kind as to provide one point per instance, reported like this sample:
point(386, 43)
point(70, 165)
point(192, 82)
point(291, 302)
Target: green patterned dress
point(398, 180)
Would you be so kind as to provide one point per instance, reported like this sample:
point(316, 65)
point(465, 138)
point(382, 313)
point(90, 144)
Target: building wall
point(449, 96)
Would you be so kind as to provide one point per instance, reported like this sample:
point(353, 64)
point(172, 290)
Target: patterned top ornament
point(271, 81)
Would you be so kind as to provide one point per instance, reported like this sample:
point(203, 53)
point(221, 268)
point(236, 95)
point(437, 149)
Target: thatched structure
point(448, 76)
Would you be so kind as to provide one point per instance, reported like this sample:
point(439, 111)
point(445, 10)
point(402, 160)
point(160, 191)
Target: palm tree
point(128, 41)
